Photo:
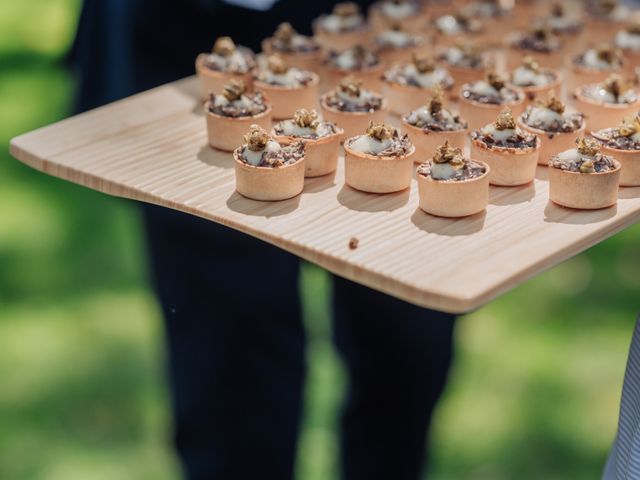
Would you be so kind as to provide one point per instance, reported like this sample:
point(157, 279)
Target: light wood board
point(152, 147)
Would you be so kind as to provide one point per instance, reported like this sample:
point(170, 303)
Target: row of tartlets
point(272, 165)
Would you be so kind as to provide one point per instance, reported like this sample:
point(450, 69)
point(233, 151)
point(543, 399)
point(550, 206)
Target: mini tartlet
point(465, 62)
point(482, 101)
point(583, 177)
point(432, 125)
point(295, 49)
point(534, 81)
point(593, 65)
point(380, 161)
point(540, 43)
point(628, 41)
point(230, 113)
point(225, 62)
point(343, 28)
point(352, 107)
point(511, 152)
point(496, 18)
point(287, 88)
point(565, 24)
point(556, 129)
point(407, 83)
point(266, 170)
point(357, 61)
point(623, 143)
point(396, 45)
point(525, 10)
point(452, 29)
point(386, 13)
point(606, 104)
point(604, 17)
point(321, 140)
point(450, 185)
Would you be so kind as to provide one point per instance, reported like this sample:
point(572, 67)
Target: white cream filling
point(544, 116)
point(426, 80)
point(636, 137)
point(237, 61)
point(397, 11)
point(395, 38)
point(370, 145)
point(454, 55)
point(628, 41)
point(287, 79)
point(290, 128)
point(499, 135)
point(572, 155)
point(591, 60)
point(347, 60)
point(365, 96)
point(442, 171)
point(448, 25)
point(562, 23)
point(483, 88)
point(523, 76)
point(482, 9)
point(424, 115)
point(600, 94)
point(242, 102)
point(337, 23)
point(253, 158)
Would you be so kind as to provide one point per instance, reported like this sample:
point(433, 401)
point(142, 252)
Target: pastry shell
point(375, 174)
point(510, 167)
point(226, 133)
point(321, 154)
point(479, 114)
point(552, 143)
point(629, 161)
point(268, 183)
point(370, 77)
point(352, 123)
point(587, 191)
point(340, 41)
point(213, 81)
point(533, 93)
point(303, 60)
point(601, 115)
point(404, 98)
point(286, 100)
point(454, 198)
point(426, 142)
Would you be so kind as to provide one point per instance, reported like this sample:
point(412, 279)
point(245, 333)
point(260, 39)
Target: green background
point(533, 394)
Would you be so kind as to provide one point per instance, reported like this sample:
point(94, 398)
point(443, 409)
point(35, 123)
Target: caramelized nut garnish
point(445, 153)
point(541, 33)
point(350, 85)
point(257, 138)
point(224, 46)
point(276, 64)
point(587, 167)
point(359, 52)
point(505, 120)
point(437, 99)
point(608, 54)
point(423, 63)
point(557, 9)
point(284, 32)
point(380, 131)
point(634, 28)
point(616, 85)
point(554, 104)
point(346, 9)
point(234, 90)
point(530, 63)
point(306, 118)
point(630, 127)
point(496, 81)
point(588, 146)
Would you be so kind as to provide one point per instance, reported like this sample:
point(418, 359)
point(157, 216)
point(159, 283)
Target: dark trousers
point(236, 349)
point(233, 321)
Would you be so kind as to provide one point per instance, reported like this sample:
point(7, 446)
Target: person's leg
point(397, 356)
point(236, 347)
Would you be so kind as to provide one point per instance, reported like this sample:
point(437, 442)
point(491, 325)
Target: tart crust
point(302, 60)
point(534, 92)
point(352, 123)
point(268, 183)
point(479, 114)
point(586, 191)
point(510, 167)
point(371, 77)
point(629, 161)
point(213, 81)
point(286, 100)
point(375, 174)
point(321, 154)
point(552, 143)
point(405, 98)
point(600, 115)
point(458, 198)
point(426, 142)
point(226, 133)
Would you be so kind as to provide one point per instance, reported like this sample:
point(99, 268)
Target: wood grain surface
point(152, 147)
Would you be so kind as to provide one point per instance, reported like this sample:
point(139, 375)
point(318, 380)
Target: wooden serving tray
point(152, 147)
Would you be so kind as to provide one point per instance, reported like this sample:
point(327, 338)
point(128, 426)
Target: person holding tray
point(236, 342)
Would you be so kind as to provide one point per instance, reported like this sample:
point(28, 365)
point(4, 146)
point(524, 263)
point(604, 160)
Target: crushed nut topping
point(496, 81)
point(557, 10)
point(554, 104)
point(505, 120)
point(306, 118)
point(359, 52)
point(351, 86)
point(634, 28)
point(276, 64)
point(447, 154)
point(346, 9)
point(541, 33)
point(284, 32)
point(256, 139)
point(608, 54)
point(224, 46)
point(380, 131)
point(530, 63)
point(629, 128)
point(234, 90)
point(616, 85)
point(436, 101)
point(587, 146)
point(423, 63)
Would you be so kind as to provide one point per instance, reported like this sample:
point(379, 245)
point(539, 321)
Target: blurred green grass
point(533, 394)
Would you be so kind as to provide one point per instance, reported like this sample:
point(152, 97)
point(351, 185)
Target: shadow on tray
point(629, 192)
point(215, 158)
point(255, 208)
point(556, 214)
point(450, 227)
point(372, 202)
point(512, 195)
